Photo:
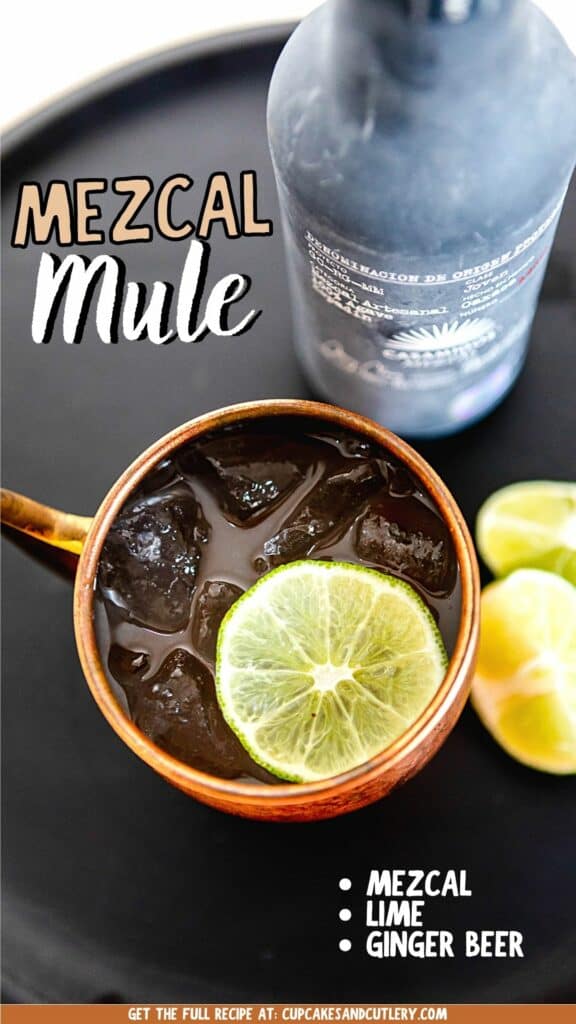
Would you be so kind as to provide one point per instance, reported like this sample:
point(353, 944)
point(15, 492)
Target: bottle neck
point(424, 42)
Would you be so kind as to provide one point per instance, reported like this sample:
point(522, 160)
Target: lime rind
point(321, 665)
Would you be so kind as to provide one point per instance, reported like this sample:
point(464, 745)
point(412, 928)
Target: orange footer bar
point(279, 1013)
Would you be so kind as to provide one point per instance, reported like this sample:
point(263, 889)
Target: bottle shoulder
point(420, 162)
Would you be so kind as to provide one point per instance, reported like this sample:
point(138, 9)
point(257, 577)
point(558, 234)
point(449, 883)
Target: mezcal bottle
point(422, 149)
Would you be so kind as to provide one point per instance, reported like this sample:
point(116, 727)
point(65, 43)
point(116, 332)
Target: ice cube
point(410, 539)
point(323, 516)
point(356, 447)
point(250, 474)
point(125, 665)
point(401, 482)
point(214, 599)
point(177, 709)
point(150, 559)
point(163, 475)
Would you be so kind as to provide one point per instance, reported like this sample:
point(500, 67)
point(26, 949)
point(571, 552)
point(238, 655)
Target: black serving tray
point(117, 887)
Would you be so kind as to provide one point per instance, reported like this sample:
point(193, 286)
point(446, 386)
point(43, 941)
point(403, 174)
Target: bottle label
point(420, 327)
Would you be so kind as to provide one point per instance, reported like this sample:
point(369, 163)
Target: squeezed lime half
point(525, 685)
point(322, 665)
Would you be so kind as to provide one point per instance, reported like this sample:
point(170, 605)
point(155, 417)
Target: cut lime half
point(322, 665)
point(530, 525)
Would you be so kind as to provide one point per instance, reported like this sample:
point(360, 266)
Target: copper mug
point(80, 540)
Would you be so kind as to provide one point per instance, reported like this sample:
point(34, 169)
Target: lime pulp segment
point(322, 665)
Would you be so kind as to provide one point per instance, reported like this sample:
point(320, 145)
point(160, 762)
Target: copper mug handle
point(55, 537)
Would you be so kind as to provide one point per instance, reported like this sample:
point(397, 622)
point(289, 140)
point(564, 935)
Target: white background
point(49, 46)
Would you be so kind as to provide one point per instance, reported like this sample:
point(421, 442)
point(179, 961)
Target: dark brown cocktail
point(220, 513)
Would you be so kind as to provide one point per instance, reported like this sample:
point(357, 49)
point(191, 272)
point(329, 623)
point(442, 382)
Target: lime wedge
point(525, 685)
point(321, 665)
point(530, 525)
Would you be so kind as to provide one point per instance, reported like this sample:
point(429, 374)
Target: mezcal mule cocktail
point(220, 513)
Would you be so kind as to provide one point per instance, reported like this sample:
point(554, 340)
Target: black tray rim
point(132, 72)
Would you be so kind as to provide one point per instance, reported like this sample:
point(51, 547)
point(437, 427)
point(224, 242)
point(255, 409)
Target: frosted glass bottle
point(422, 149)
